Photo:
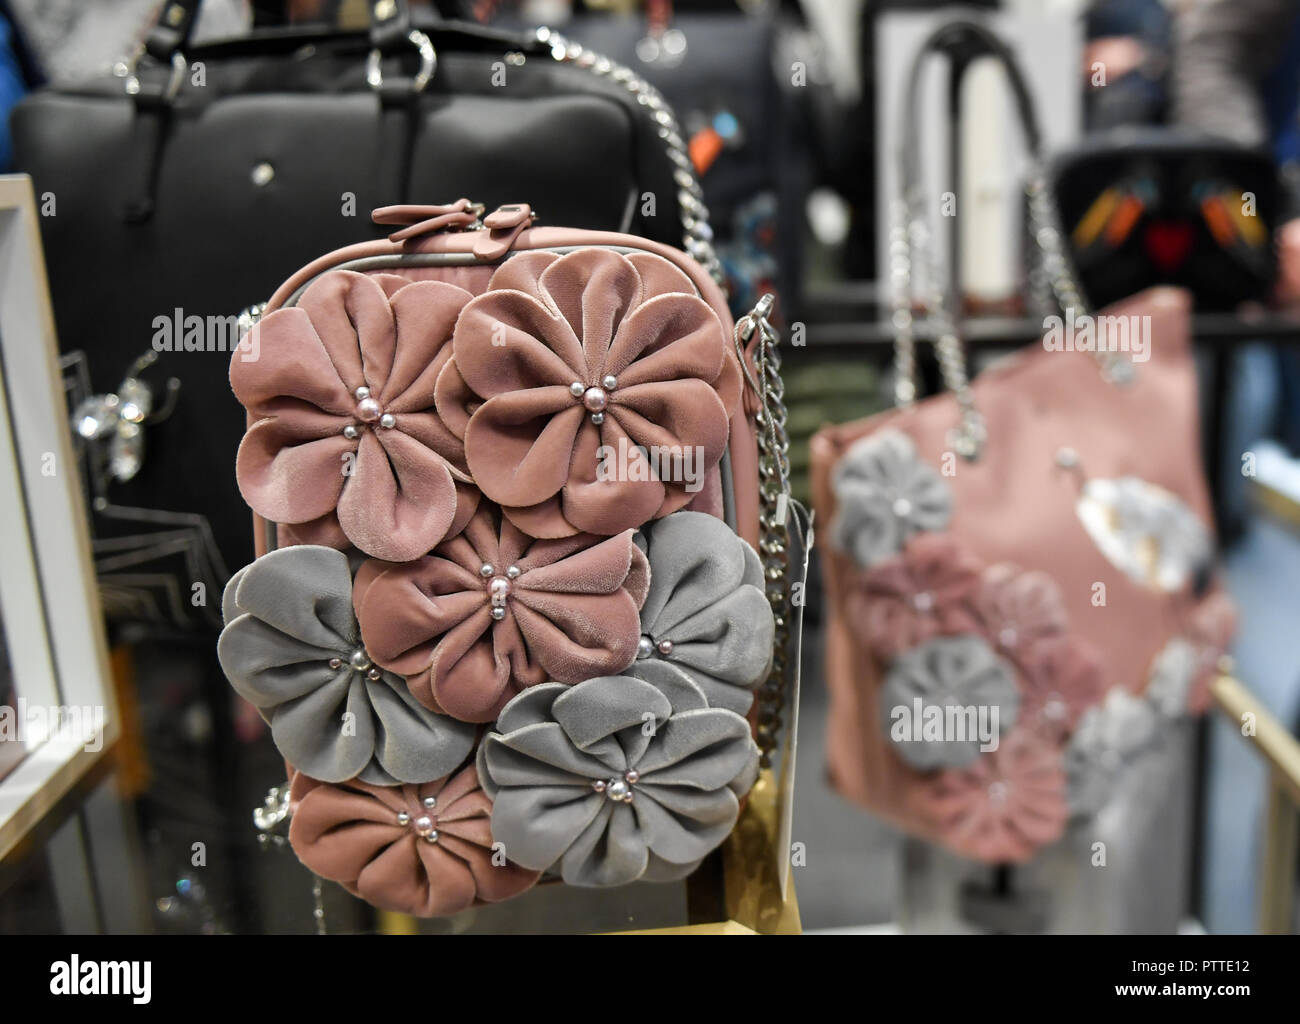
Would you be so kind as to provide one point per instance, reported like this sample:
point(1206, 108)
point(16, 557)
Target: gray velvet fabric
point(1106, 741)
point(950, 671)
point(884, 494)
point(552, 742)
point(287, 615)
point(707, 599)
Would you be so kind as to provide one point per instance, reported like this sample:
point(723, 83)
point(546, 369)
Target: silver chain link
point(912, 256)
point(697, 234)
point(911, 251)
point(774, 510)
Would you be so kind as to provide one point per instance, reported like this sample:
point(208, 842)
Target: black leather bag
point(195, 180)
point(1161, 206)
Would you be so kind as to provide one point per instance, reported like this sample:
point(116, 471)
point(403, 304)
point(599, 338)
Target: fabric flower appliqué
point(292, 648)
point(706, 614)
point(347, 445)
point(492, 611)
point(610, 781)
point(1063, 677)
point(1017, 608)
point(1107, 739)
point(938, 698)
point(885, 494)
point(566, 357)
point(424, 850)
point(1006, 805)
point(923, 593)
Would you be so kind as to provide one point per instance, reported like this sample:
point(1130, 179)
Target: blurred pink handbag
point(1018, 574)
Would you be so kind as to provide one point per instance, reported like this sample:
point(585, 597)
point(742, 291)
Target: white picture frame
point(48, 598)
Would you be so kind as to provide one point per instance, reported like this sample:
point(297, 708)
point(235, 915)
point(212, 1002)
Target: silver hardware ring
point(428, 63)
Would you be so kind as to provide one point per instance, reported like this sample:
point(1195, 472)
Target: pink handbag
point(1018, 573)
point(509, 619)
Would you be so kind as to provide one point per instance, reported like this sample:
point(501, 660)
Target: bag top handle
point(390, 27)
point(961, 39)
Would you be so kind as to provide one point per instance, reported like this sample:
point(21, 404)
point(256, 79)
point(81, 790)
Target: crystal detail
point(126, 451)
point(95, 416)
point(136, 399)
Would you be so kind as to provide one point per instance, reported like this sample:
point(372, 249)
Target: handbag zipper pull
point(462, 215)
point(503, 225)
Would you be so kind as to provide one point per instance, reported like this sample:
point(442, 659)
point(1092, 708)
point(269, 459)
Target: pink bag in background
point(1016, 607)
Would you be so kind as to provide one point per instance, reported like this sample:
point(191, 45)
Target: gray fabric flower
point(1173, 671)
point(292, 648)
point(1107, 739)
point(953, 680)
point(885, 494)
point(706, 614)
point(613, 780)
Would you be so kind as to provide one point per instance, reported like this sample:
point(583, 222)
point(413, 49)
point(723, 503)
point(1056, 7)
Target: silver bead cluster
point(499, 587)
point(595, 398)
point(359, 661)
point(618, 790)
point(425, 826)
point(646, 648)
point(368, 411)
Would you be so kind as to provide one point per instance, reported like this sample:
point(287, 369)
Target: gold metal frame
point(1281, 753)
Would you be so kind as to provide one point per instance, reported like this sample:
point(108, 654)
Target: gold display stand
point(1281, 754)
point(752, 888)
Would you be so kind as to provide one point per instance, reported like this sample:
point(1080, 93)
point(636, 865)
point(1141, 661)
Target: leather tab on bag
point(425, 220)
point(503, 226)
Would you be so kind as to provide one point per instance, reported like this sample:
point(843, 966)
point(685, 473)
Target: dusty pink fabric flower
point(1006, 805)
point(375, 466)
point(920, 594)
point(388, 846)
point(493, 611)
point(1014, 608)
point(1210, 629)
point(566, 354)
point(1062, 677)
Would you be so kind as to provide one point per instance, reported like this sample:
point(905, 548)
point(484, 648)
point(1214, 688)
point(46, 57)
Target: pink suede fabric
point(394, 492)
point(1007, 804)
point(550, 321)
point(350, 833)
point(572, 613)
point(924, 592)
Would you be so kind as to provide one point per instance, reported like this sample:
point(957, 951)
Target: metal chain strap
point(910, 250)
point(774, 510)
point(1055, 267)
point(697, 234)
point(911, 255)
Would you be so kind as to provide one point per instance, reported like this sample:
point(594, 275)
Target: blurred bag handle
point(962, 40)
point(390, 26)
